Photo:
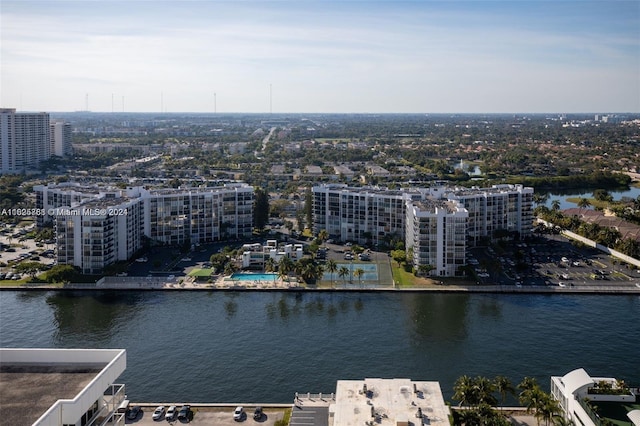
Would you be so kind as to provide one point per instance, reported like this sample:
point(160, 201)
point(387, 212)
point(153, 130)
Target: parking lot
point(16, 247)
point(207, 415)
point(549, 260)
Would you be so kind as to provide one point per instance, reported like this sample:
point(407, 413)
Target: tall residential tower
point(24, 140)
point(61, 138)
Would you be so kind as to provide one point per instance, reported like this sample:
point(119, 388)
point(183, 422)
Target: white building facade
point(25, 140)
point(96, 403)
point(369, 215)
point(576, 392)
point(436, 235)
point(506, 209)
point(97, 226)
point(363, 215)
point(60, 136)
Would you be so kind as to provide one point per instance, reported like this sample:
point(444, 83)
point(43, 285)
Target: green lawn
point(592, 201)
point(404, 279)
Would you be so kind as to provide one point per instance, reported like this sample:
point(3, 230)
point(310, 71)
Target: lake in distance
point(265, 346)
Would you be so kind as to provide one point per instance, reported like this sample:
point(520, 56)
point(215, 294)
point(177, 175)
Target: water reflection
point(230, 307)
point(438, 316)
point(26, 296)
point(91, 315)
point(490, 307)
point(330, 306)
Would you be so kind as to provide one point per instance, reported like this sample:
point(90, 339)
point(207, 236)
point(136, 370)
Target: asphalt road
point(306, 416)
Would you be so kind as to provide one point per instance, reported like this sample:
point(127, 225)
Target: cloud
point(416, 56)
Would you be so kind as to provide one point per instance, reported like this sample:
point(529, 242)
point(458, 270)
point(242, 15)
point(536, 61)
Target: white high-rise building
point(363, 215)
point(438, 229)
point(436, 234)
point(61, 138)
point(25, 140)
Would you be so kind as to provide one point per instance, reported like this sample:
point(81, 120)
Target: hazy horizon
point(285, 113)
point(321, 57)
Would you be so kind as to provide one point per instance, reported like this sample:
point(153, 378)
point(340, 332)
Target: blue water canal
point(265, 346)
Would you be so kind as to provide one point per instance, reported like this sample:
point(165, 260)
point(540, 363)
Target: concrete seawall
point(609, 290)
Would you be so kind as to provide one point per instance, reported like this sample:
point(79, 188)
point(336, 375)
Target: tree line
point(478, 398)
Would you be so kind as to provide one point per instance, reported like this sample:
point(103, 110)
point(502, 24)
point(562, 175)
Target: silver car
point(158, 412)
point(171, 413)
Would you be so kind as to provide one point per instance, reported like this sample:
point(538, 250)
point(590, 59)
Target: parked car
point(184, 412)
point(238, 414)
point(158, 412)
point(133, 412)
point(257, 414)
point(171, 413)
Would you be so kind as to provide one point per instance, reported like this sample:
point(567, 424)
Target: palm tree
point(527, 384)
point(555, 205)
point(503, 386)
point(583, 203)
point(539, 198)
point(358, 273)
point(331, 266)
point(484, 391)
point(464, 391)
point(343, 272)
point(229, 268)
point(285, 267)
point(561, 421)
point(534, 400)
point(469, 417)
point(548, 408)
point(323, 236)
point(269, 264)
point(311, 271)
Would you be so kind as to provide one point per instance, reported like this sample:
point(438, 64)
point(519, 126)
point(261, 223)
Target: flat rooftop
point(389, 402)
point(27, 391)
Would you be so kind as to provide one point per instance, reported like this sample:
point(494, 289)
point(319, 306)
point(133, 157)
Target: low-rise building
point(400, 402)
point(62, 387)
point(595, 401)
point(256, 255)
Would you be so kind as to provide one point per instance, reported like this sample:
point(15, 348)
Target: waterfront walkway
point(160, 283)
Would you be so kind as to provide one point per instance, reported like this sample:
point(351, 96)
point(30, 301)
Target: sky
point(350, 56)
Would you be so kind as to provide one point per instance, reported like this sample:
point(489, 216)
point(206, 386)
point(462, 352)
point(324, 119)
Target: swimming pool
point(243, 276)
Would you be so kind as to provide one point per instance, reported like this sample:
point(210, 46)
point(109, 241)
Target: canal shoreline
point(581, 290)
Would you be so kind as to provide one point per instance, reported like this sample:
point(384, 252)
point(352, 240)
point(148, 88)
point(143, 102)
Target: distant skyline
point(320, 56)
